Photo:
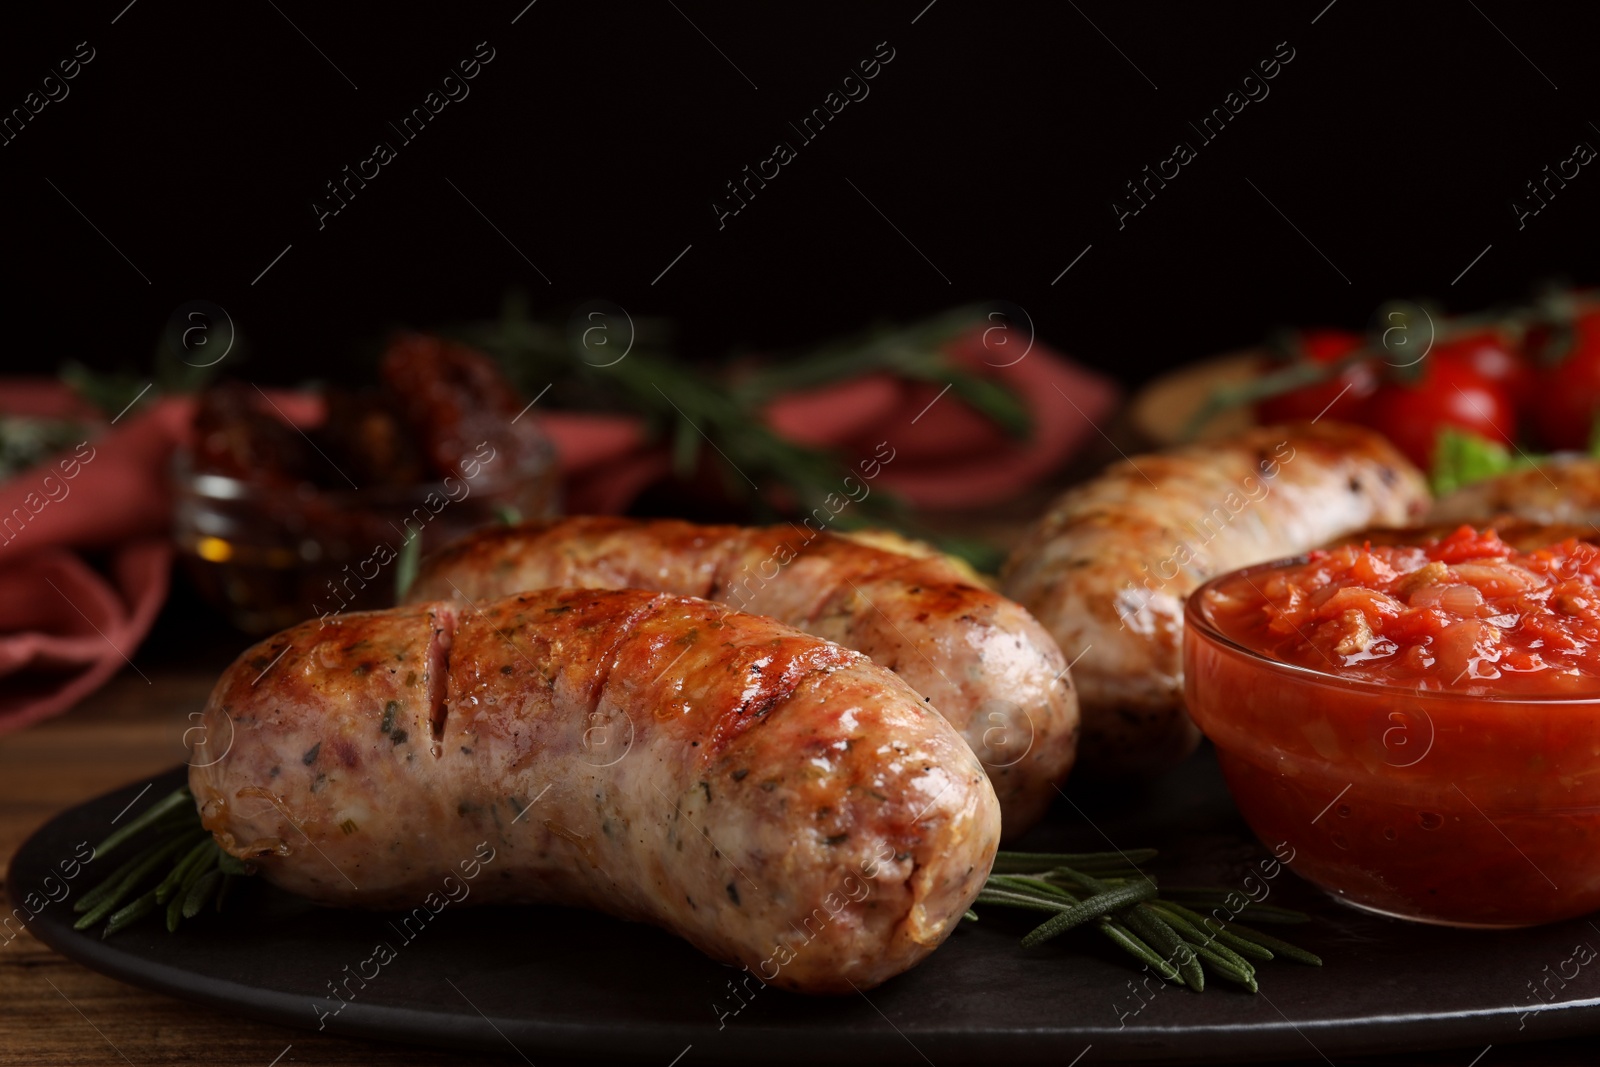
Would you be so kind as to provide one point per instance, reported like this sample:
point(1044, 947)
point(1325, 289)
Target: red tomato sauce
point(1440, 759)
point(1463, 614)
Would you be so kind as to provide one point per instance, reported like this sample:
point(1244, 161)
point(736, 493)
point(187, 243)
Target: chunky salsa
point(1466, 613)
point(1440, 759)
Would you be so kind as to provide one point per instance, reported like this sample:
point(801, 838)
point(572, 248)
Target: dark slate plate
point(555, 982)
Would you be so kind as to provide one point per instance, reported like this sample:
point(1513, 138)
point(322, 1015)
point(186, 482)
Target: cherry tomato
point(1569, 394)
point(1495, 358)
point(1343, 397)
point(1450, 392)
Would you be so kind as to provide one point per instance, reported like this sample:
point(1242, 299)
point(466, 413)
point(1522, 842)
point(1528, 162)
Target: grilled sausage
point(981, 660)
point(779, 801)
point(1108, 567)
point(1559, 489)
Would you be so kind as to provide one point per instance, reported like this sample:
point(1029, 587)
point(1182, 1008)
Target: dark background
point(601, 133)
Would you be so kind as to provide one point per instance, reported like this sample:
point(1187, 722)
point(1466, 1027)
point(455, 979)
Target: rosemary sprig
point(720, 418)
point(181, 866)
point(680, 404)
point(405, 568)
point(1108, 890)
point(167, 805)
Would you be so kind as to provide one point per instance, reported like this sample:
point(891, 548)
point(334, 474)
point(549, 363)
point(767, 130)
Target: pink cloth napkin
point(68, 629)
point(946, 455)
point(65, 628)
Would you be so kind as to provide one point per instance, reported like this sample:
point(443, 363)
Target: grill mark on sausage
point(591, 609)
point(796, 664)
point(625, 626)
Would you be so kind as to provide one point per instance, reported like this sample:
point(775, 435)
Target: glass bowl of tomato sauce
point(1419, 723)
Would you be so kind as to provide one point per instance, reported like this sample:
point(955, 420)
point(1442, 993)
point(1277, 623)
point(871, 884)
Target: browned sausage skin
point(1556, 489)
point(980, 659)
point(1107, 569)
point(779, 801)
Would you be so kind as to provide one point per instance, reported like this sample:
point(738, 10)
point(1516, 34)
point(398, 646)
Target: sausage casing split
point(1109, 566)
point(980, 659)
point(779, 801)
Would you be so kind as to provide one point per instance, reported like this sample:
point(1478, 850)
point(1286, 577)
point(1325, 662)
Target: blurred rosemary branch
point(694, 410)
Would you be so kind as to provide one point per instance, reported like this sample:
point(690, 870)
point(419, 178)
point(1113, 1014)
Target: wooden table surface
point(57, 1012)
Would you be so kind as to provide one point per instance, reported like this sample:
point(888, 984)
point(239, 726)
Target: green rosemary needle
point(1109, 890)
point(131, 914)
point(1226, 962)
point(200, 893)
point(1282, 948)
point(202, 851)
point(103, 889)
point(177, 872)
point(1165, 940)
point(1100, 904)
point(121, 890)
point(167, 805)
point(1181, 921)
point(1027, 901)
point(1140, 951)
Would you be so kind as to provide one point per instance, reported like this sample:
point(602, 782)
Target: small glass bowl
point(1447, 808)
point(270, 557)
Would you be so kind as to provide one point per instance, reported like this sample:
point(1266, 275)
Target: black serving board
point(561, 983)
